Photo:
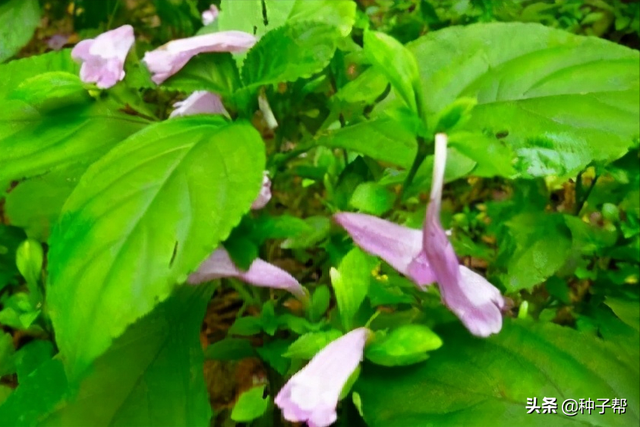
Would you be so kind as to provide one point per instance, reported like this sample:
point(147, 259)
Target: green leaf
point(402, 346)
point(543, 244)
point(33, 143)
point(320, 301)
point(493, 156)
point(350, 284)
point(18, 21)
point(398, 64)
point(554, 95)
point(250, 405)
point(152, 375)
point(215, 72)
point(319, 228)
point(480, 382)
point(250, 17)
point(29, 258)
point(230, 349)
point(50, 91)
point(7, 350)
point(272, 353)
point(290, 52)
point(340, 14)
point(309, 344)
point(372, 198)
point(246, 326)
point(382, 138)
point(19, 70)
point(141, 219)
point(626, 310)
point(32, 356)
point(10, 239)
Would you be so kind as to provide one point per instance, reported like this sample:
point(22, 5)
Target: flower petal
point(312, 394)
point(400, 246)
point(103, 57)
point(265, 193)
point(199, 102)
point(210, 15)
point(474, 300)
point(260, 273)
point(170, 58)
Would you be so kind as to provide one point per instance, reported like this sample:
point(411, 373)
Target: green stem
point(420, 156)
point(583, 198)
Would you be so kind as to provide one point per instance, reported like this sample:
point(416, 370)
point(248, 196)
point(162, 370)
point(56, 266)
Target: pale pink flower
point(265, 193)
point(312, 394)
point(199, 102)
point(210, 15)
point(103, 57)
point(168, 59)
point(260, 273)
point(428, 256)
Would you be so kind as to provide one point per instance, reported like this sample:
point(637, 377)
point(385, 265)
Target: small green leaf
point(350, 284)
point(398, 64)
point(402, 346)
point(18, 21)
point(230, 349)
point(250, 405)
point(10, 239)
point(290, 52)
point(268, 319)
point(246, 326)
point(31, 356)
point(7, 350)
point(50, 91)
point(309, 344)
point(174, 178)
point(319, 228)
point(19, 70)
point(372, 198)
point(626, 310)
point(272, 353)
point(319, 302)
point(29, 258)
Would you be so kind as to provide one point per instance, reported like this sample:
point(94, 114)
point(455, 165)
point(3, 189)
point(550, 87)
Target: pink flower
point(260, 273)
point(210, 15)
point(199, 102)
point(167, 60)
point(312, 394)
point(103, 57)
point(265, 193)
point(428, 256)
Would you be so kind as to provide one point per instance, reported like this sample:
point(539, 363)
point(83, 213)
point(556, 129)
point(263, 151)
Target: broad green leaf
point(402, 346)
point(338, 13)
point(381, 138)
point(33, 143)
point(350, 284)
point(372, 198)
point(19, 70)
point(50, 91)
point(554, 96)
point(493, 156)
point(215, 72)
point(480, 382)
point(250, 405)
point(290, 52)
point(309, 344)
point(31, 356)
point(18, 21)
point(398, 64)
point(253, 16)
point(142, 218)
point(152, 375)
point(543, 244)
point(626, 310)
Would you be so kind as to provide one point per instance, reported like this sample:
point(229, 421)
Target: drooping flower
point(103, 57)
point(210, 15)
point(199, 102)
point(168, 59)
point(428, 256)
point(260, 273)
point(312, 394)
point(265, 193)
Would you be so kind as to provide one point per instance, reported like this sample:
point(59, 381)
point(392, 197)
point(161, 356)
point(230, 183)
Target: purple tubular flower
point(199, 102)
point(103, 57)
point(170, 58)
point(260, 273)
point(472, 298)
point(400, 246)
point(210, 15)
point(265, 193)
point(428, 257)
point(312, 394)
